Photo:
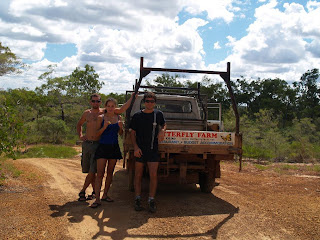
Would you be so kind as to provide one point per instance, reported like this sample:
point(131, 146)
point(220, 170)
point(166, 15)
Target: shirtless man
point(91, 141)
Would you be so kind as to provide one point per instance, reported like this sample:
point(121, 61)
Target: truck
point(195, 141)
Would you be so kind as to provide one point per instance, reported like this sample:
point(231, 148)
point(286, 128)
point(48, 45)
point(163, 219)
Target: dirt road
point(252, 204)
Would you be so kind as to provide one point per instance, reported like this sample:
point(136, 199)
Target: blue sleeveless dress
point(108, 144)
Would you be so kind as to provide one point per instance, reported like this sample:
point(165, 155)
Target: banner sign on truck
point(198, 138)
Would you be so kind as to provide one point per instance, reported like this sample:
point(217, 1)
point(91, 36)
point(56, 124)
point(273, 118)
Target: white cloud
point(106, 33)
point(231, 41)
point(220, 9)
point(113, 35)
point(216, 45)
point(275, 45)
point(33, 51)
point(163, 44)
point(314, 48)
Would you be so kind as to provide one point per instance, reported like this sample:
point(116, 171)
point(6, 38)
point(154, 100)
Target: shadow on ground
point(119, 220)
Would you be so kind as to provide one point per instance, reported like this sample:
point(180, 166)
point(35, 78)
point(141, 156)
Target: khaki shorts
point(88, 163)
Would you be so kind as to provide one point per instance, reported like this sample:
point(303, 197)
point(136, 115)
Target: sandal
point(107, 199)
point(92, 196)
point(82, 196)
point(95, 205)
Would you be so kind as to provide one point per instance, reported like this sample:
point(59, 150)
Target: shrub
point(47, 129)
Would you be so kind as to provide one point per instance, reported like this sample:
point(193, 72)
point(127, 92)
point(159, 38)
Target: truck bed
point(183, 124)
point(197, 142)
point(200, 142)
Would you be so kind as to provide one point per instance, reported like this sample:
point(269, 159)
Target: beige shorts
point(88, 163)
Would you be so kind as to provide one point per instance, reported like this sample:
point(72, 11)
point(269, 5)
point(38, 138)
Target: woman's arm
point(104, 127)
point(125, 106)
point(120, 123)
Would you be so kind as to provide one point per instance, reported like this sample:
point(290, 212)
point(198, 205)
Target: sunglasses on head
point(150, 101)
point(95, 101)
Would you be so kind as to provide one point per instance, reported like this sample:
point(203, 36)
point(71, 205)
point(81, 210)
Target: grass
point(314, 168)
point(8, 169)
point(2, 177)
point(41, 151)
point(261, 167)
point(13, 170)
point(289, 167)
point(48, 151)
point(32, 176)
point(286, 168)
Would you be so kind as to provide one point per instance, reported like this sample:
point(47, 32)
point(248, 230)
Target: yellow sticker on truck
point(198, 138)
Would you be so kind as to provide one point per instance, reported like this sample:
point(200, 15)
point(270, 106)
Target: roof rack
point(144, 71)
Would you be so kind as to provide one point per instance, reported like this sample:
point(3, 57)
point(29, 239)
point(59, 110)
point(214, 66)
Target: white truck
point(194, 145)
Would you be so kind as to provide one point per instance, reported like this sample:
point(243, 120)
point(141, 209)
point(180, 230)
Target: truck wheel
point(206, 182)
point(131, 180)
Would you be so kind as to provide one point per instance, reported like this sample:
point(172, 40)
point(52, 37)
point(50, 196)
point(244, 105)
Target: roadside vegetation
point(290, 168)
point(280, 122)
point(8, 169)
point(47, 151)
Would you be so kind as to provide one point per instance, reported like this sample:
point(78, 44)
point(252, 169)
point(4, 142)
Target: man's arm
point(125, 106)
point(162, 132)
point(79, 126)
point(163, 128)
point(137, 150)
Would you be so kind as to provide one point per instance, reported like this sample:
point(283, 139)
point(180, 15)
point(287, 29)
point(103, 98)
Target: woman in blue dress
point(108, 150)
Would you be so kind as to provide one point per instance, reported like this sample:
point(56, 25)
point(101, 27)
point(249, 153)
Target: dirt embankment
point(252, 204)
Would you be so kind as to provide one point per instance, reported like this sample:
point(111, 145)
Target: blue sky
point(261, 39)
point(57, 52)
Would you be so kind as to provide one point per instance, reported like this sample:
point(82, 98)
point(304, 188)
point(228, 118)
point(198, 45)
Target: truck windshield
point(172, 106)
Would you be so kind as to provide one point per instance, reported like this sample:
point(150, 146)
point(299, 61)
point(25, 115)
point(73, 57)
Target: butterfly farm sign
point(198, 138)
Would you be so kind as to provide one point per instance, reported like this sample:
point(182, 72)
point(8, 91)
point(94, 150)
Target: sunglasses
point(95, 101)
point(150, 101)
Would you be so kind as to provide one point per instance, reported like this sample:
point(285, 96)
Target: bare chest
point(111, 119)
point(92, 118)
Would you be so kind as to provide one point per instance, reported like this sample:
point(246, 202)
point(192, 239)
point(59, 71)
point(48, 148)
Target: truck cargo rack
point(144, 71)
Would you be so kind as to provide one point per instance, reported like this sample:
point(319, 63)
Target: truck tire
point(206, 182)
point(131, 180)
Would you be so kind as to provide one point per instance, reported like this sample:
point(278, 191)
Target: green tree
point(245, 91)
point(308, 95)
point(262, 138)
point(69, 90)
point(29, 104)
point(167, 80)
point(51, 130)
point(272, 94)
point(278, 96)
point(11, 128)
point(83, 82)
point(304, 139)
point(9, 62)
point(216, 92)
point(121, 98)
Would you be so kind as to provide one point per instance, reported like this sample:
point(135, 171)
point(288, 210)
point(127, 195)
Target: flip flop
point(92, 196)
point(107, 199)
point(95, 205)
point(82, 196)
